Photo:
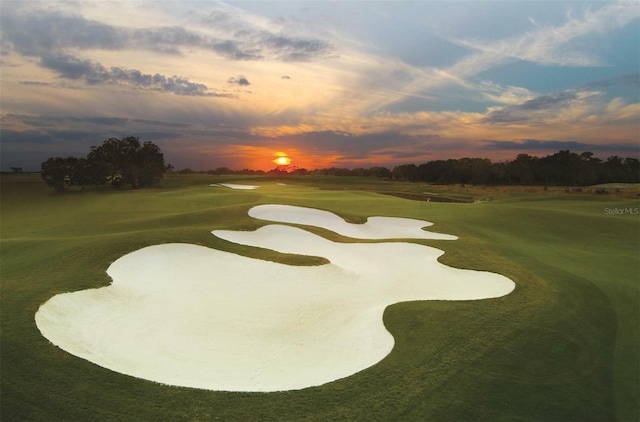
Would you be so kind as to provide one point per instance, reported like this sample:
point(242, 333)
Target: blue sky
point(345, 84)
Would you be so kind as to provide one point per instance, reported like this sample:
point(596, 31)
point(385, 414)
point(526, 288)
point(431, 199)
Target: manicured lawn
point(563, 346)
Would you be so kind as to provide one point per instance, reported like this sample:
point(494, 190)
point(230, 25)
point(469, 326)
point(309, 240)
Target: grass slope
point(563, 346)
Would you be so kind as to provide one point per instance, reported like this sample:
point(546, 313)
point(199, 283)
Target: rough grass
point(563, 346)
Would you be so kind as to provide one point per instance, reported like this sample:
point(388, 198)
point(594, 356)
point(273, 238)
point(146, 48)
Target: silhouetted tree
point(613, 169)
point(57, 172)
point(405, 172)
point(632, 170)
point(561, 168)
point(116, 161)
point(381, 172)
point(522, 170)
point(149, 162)
point(128, 162)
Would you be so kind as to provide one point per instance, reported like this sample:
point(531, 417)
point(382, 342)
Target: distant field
point(563, 346)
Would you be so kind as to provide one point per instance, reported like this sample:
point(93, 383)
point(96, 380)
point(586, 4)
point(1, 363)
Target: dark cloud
point(632, 79)
point(71, 135)
point(39, 33)
point(535, 144)
point(240, 81)
point(401, 154)
point(526, 112)
point(235, 51)
point(43, 33)
point(506, 115)
point(155, 135)
point(71, 67)
point(358, 146)
point(547, 101)
point(165, 39)
point(252, 43)
point(293, 49)
point(44, 135)
point(35, 83)
point(160, 123)
point(109, 121)
point(81, 130)
point(8, 136)
point(37, 121)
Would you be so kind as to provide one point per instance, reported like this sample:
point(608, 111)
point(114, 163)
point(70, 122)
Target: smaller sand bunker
point(235, 186)
point(192, 316)
point(374, 228)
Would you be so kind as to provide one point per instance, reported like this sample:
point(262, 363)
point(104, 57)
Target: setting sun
point(282, 159)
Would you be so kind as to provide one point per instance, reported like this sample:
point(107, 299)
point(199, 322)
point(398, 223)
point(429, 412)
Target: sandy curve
point(374, 228)
point(191, 316)
point(235, 186)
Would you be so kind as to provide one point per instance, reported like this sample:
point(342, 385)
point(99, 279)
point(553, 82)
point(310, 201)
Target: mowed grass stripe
point(562, 346)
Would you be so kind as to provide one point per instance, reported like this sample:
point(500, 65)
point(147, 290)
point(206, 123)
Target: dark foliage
point(562, 168)
point(118, 162)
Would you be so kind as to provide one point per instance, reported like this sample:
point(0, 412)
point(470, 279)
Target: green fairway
point(563, 346)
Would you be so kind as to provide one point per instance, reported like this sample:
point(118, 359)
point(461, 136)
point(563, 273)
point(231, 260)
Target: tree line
point(116, 162)
point(127, 161)
point(564, 168)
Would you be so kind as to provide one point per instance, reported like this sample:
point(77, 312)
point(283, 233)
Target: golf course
point(556, 340)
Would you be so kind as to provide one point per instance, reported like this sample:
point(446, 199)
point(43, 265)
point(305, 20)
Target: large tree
point(119, 162)
point(126, 161)
point(57, 172)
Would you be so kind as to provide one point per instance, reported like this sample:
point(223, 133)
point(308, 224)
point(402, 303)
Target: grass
point(563, 346)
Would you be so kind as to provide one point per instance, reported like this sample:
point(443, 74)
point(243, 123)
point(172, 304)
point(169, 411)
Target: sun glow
point(282, 159)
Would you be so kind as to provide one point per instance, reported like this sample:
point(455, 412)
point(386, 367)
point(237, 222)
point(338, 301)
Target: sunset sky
point(327, 83)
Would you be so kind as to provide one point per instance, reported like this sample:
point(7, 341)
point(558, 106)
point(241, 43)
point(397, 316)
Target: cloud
point(81, 131)
point(632, 79)
point(35, 83)
point(247, 37)
point(548, 101)
point(564, 44)
point(240, 81)
point(535, 144)
point(44, 121)
point(39, 33)
point(71, 67)
point(27, 136)
point(585, 101)
point(551, 45)
point(47, 136)
point(531, 110)
point(156, 135)
point(293, 49)
point(109, 121)
point(351, 146)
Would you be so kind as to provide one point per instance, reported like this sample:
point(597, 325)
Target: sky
point(327, 83)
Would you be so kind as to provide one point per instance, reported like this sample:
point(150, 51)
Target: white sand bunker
point(234, 186)
point(374, 228)
point(192, 316)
